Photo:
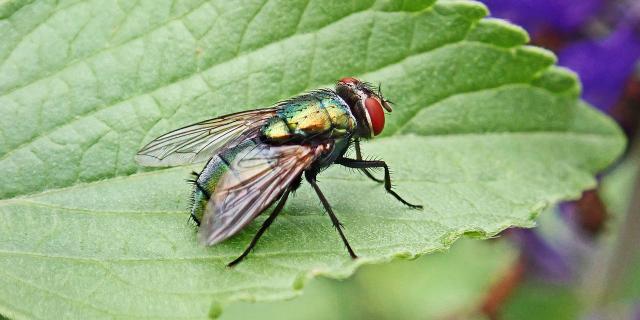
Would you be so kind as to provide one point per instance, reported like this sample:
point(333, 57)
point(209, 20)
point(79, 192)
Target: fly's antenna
point(385, 103)
point(381, 95)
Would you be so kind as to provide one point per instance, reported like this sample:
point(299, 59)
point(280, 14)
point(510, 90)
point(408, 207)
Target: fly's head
point(367, 105)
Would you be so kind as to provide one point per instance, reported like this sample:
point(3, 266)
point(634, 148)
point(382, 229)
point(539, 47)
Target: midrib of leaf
point(594, 137)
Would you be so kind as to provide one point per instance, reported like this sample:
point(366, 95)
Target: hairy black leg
point(359, 157)
point(195, 220)
point(360, 164)
point(310, 176)
point(263, 228)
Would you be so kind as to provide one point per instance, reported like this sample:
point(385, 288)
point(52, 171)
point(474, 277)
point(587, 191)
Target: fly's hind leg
point(311, 177)
point(263, 228)
point(363, 164)
point(195, 220)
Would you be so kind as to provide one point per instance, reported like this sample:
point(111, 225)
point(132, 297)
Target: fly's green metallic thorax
point(316, 114)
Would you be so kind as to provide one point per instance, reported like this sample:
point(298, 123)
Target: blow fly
point(258, 157)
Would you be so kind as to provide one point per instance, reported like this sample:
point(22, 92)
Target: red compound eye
point(376, 114)
point(350, 80)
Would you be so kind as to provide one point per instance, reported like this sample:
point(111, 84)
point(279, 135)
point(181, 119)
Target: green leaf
point(584, 296)
point(486, 132)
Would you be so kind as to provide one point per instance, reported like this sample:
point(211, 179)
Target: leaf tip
point(499, 32)
point(472, 10)
point(559, 80)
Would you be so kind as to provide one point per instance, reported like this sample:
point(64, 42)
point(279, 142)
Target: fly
point(258, 157)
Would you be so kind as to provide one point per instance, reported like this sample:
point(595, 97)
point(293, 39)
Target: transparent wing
point(198, 142)
point(256, 178)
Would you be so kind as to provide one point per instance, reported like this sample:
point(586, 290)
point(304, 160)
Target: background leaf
point(595, 292)
point(486, 132)
point(438, 286)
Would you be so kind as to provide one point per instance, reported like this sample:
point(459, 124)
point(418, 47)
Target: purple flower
point(541, 258)
point(566, 16)
point(604, 65)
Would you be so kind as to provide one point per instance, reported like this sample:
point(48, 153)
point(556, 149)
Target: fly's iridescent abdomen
point(205, 184)
point(319, 114)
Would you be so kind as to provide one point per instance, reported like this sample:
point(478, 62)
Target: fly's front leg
point(363, 164)
point(359, 157)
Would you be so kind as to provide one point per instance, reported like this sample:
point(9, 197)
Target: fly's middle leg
point(311, 178)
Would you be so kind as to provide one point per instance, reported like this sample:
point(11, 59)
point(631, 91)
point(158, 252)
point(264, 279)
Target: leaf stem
point(617, 262)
